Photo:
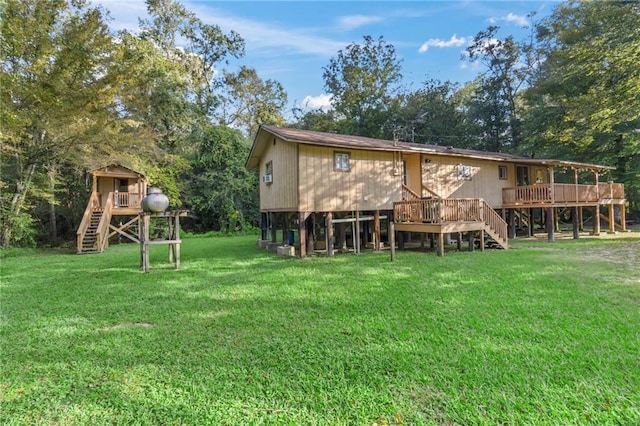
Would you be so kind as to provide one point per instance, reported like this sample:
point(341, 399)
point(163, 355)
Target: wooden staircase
point(495, 226)
point(89, 242)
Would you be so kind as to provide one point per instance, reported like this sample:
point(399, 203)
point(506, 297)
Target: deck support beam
point(551, 224)
point(376, 230)
point(302, 231)
point(330, 234)
point(575, 221)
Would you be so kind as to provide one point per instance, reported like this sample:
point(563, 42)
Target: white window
point(341, 161)
point(464, 172)
point(502, 172)
point(268, 173)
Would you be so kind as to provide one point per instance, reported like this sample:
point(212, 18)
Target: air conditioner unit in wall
point(267, 178)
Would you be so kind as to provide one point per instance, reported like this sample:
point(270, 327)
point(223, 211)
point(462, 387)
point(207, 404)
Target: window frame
point(464, 171)
point(503, 173)
point(336, 165)
point(268, 170)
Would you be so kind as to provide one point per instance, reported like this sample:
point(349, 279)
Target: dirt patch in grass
point(126, 324)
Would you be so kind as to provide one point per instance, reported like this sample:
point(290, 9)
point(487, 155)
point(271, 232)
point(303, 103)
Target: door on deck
point(522, 176)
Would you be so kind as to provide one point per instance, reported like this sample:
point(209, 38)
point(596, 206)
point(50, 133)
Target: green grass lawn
point(539, 334)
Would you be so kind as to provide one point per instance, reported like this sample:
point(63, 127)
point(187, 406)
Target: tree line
point(163, 100)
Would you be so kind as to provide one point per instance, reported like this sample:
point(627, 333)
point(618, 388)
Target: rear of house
point(337, 190)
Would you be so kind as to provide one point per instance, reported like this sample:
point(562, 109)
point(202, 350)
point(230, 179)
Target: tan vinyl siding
point(282, 193)
point(369, 185)
point(441, 175)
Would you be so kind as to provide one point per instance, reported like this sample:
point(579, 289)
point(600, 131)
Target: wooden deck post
point(471, 242)
point(356, 238)
point(310, 234)
point(392, 240)
point(263, 226)
point(623, 219)
point(512, 223)
point(274, 237)
point(482, 240)
point(531, 224)
point(329, 232)
point(580, 219)
point(458, 240)
point(285, 229)
point(376, 230)
point(612, 219)
point(176, 237)
point(576, 227)
point(302, 230)
point(440, 244)
point(550, 224)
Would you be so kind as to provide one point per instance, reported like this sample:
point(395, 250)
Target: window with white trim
point(341, 161)
point(464, 172)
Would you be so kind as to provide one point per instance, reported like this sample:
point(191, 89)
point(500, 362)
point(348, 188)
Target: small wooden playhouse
point(113, 208)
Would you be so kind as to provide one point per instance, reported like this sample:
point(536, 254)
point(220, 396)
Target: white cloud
point(517, 19)
point(351, 22)
point(511, 18)
point(322, 102)
point(454, 41)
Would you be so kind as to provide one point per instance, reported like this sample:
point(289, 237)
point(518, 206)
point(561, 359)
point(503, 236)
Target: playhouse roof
point(116, 170)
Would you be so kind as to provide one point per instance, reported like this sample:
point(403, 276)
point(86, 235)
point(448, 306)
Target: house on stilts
point(113, 209)
point(337, 192)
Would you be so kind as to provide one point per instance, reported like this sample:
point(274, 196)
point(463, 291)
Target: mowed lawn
point(539, 334)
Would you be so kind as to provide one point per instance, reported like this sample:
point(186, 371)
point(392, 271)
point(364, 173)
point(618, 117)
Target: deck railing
point(439, 211)
point(561, 193)
point(94, 203)
point(610, 190)
point(127, 199)
point(102, 233)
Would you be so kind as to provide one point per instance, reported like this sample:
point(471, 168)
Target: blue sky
point(291, 41)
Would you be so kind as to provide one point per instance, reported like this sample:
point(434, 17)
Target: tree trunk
point(17, 202)
point(52, 172)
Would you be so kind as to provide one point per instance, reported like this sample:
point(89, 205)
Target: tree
point(248, 101)
point(57, 90)
point(363, 80)
point(496, 101)
point(585, 97)
point(221, 192)
point(433, 115)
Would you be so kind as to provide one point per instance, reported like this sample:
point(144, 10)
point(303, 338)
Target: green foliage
point(221, 192)
point(363, 80)
point(249, 101)
point(433, 115)
point(533, 335)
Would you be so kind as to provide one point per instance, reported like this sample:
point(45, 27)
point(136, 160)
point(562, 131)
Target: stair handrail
point(102, 233)
point(430, 191)
point(92, 204)
point(409, 194)
point(494, 221)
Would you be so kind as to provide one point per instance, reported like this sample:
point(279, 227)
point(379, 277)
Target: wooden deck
point(562, 195)
point(444, 216)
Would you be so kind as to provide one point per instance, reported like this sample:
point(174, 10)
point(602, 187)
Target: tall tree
point(221, 192)
point(586, 94)
point(363, 80)
point(496, 101)
point(57, 92)
point(248, 101)
point(433, 115)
